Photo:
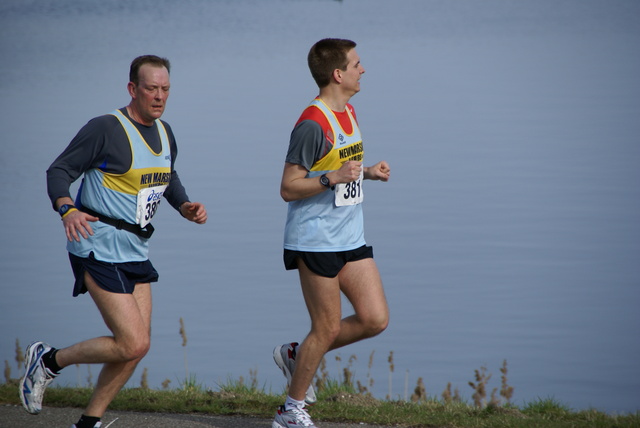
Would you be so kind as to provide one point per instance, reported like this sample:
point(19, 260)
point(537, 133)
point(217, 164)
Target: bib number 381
point(349, 193)
point(147, 204)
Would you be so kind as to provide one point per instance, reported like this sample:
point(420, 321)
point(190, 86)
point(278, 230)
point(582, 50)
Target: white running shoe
point(293, 418)
point(36, 377)
point(285, 358)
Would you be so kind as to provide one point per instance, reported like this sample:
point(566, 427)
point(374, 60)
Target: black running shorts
point(113, 277)
point(327, 264)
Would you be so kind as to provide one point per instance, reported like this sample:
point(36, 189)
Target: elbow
point(289, 194)
point(286, 196)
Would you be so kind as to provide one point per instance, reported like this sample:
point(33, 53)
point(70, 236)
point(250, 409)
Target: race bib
point(148, 201)
point(349, 193)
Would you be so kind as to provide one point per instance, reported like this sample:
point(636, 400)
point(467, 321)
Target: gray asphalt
point(12, 416)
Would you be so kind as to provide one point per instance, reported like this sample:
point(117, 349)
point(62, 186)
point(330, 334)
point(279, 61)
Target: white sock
point(290, 403)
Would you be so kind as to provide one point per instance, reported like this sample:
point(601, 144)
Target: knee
point(135, 350)
point(376, 324)
point(327, 333)
point(141, 350)
point(333, 333)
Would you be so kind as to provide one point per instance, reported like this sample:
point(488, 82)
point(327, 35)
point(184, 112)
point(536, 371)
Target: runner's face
point(351, 76)
point(149, 97)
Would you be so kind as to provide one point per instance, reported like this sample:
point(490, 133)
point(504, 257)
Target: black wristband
point(64, 209)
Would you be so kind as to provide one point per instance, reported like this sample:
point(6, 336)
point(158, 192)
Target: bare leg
point(322, 296)
point(128, 316)
point(360, 282)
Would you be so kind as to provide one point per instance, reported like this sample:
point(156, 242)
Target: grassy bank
point(339, 400)
point(335, 405)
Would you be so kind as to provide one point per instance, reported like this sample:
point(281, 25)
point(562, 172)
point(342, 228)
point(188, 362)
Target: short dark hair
point(146, 59)
point(326, 56)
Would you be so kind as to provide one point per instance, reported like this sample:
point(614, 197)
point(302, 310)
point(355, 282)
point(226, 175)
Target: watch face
point(324, 180)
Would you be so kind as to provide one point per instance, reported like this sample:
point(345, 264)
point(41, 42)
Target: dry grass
point(343, 399)
point(324, 383)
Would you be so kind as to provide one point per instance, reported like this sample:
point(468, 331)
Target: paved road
point(12, 416)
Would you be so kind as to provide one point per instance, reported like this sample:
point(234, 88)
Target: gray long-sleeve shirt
point(103, 143)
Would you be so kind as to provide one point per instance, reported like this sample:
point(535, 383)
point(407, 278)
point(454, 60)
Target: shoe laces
point(302, 415)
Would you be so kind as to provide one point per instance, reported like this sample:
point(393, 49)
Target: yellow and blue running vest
point(133, 197)
point(318, 224)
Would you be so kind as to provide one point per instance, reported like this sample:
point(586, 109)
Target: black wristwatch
point(65, 209)
point(324, 180)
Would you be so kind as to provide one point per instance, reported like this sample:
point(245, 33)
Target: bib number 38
point(349, 193)
point(147, 204)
